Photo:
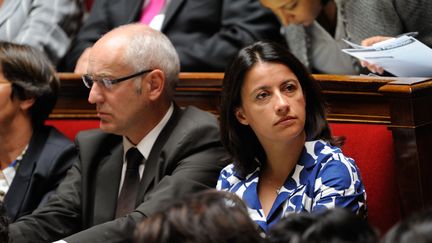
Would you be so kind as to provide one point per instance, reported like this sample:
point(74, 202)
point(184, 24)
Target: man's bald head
point(140, 48)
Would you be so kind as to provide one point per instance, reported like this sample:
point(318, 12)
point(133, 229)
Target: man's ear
point(155, 84)
point(27, 103)
point(240, 116)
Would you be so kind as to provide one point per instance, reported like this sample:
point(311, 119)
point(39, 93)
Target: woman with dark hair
point(210, 216)
point(273, 124)
point(315, 29)
point(34, 158)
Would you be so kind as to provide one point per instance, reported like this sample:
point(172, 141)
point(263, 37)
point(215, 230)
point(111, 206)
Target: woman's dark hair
point(32, 76)
point(338, 225)
point(417, 228)
point(210, 216)
point(240, 140)
point(291, 228)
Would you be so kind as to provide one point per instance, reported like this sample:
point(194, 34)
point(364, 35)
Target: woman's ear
point(240, 116)
point(27, 103)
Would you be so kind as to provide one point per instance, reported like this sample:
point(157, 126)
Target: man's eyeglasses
point(108, 83)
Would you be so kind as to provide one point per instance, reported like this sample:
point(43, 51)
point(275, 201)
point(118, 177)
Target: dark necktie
point(127, 198)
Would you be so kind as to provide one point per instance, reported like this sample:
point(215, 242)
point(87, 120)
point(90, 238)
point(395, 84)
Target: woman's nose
point(281, 105)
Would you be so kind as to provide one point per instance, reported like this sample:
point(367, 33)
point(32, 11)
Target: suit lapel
point(172, 9)
point(20, 184)
point(152, 163)
point(108, 171)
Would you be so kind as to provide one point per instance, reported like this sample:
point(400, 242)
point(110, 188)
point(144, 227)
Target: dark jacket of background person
point(46, 25)
point(4, 223)
point(49, 155)
point(183, 159)
point(205, 33)
point(361, 19)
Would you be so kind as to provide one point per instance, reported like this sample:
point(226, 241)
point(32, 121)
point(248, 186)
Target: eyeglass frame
point(108, 83)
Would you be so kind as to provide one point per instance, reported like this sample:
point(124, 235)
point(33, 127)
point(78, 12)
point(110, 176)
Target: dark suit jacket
point(186, 157)
point(49, 155)
point(205, 33)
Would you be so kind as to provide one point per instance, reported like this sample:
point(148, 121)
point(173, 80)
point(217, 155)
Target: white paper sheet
point(404, 56)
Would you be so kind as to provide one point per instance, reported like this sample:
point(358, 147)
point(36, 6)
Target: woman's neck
point(282, 157)
point(328, 17)
point(281, 161)
point(13, 140)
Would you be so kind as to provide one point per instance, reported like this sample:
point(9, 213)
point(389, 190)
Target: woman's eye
point(290, 87)
point(262, 95)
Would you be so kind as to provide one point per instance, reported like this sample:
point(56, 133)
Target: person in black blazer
point(34, 158)
point(205, 33)
point(131, 86)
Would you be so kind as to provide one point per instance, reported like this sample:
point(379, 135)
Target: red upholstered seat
point(70, 127)
point(371, 146)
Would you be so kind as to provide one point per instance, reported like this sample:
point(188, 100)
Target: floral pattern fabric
point(323, 178)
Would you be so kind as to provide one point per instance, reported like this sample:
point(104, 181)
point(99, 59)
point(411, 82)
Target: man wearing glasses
point(147, 152)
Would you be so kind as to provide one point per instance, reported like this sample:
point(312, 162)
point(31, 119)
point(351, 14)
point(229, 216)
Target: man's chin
point(107, 127)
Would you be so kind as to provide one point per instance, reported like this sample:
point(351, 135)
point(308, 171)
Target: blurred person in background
point(34, 158)
point(46, 25)
point(205, 33)
point(315, 29)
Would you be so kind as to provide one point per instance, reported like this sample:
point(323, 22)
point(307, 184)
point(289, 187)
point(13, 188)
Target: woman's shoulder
point(229, 178)
point(322, 151)
point(333, 167)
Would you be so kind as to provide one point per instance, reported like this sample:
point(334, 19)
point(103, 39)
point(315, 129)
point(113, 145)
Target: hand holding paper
point(401, 56)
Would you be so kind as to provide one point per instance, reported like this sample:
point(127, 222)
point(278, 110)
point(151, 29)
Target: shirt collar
point(146, 144)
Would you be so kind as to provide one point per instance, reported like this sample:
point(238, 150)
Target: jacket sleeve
point(60, 216)
point(50, 26)
point(64, 158)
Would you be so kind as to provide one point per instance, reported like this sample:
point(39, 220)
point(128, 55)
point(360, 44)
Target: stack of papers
point(403, 56)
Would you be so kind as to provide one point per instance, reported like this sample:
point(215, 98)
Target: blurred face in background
point(9, 107)
point(302, 12)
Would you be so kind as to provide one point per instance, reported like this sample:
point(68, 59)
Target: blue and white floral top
point(323, 178)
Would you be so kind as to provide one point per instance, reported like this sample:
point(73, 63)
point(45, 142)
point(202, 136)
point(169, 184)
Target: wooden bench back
point(387, 122)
